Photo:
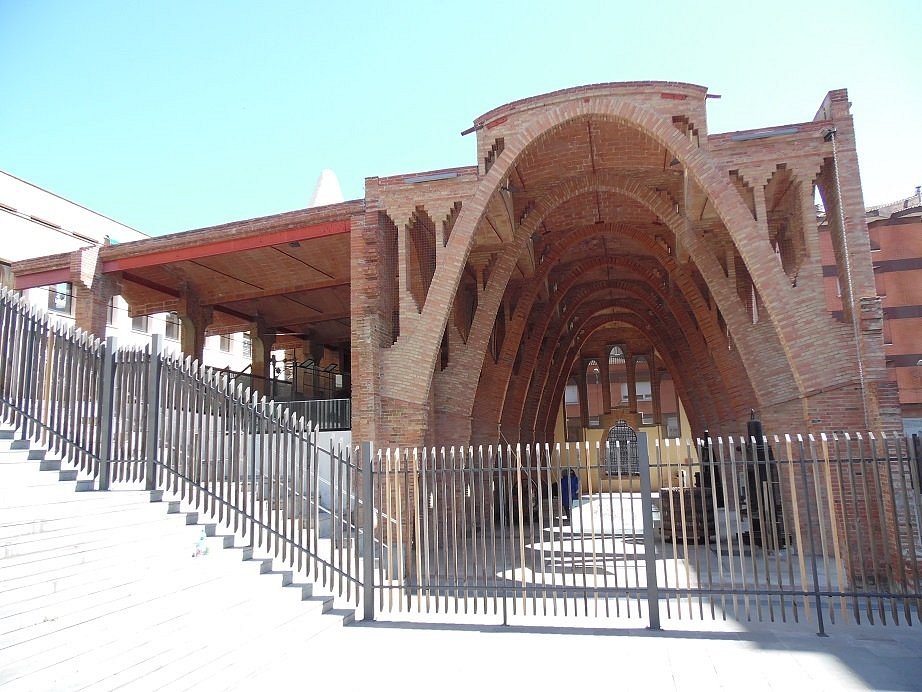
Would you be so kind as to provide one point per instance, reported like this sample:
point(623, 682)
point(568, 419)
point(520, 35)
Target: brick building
point(895, 235)
point(598, 223)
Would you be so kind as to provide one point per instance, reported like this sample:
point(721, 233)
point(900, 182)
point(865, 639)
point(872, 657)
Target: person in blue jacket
point(569, 490)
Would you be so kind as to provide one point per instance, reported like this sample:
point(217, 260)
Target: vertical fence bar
point(649, 545)
point(816, 579)
point(368, 530)
point(153, 408)
point(104, 412)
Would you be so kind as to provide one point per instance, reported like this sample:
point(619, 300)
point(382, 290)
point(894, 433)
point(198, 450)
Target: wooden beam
point(223, 247)
point(45, 278)
point(256, 293)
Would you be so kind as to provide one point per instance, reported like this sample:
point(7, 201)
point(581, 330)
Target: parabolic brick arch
point(605, 216)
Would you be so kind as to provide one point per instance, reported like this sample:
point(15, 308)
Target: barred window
point(621, 458)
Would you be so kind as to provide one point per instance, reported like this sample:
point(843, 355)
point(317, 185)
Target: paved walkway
point(444, 657)
point(101, 591)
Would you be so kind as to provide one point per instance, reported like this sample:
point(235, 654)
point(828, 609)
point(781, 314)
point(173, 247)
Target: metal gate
point(820, 530)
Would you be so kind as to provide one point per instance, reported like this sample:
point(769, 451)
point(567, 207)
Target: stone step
point(43, 609)
point(81, 587)
point(104, 548)
point(165, 632)
point(16, 444)
point(88, 542)
point(38, 547)
point(75, 530)
point(50, 577)
point(56, 518)
point(201, 580)
point(78, 584)
point(48, 504)
point(22, 474)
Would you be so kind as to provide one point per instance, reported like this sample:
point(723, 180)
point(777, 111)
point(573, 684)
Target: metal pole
point(368, 529)
point(254, 423)
point(649, 545)
point(153, 411)
point(504, 505)
point(104, 412)
point(816, 578)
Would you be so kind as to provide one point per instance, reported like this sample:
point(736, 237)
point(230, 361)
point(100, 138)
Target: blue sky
point(175, 115)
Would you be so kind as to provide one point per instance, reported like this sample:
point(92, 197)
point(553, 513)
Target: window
point(644, 391)
point(139, 324)
point(672, 426)
point(571, 394)
point(224, 343)
point(172, 326)
point(247, 345)
point(60, 298)
point(621, 448)
point(6, 275)
point(110, 311)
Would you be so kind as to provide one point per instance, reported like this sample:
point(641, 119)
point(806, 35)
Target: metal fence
point(326, 414)
point(817, 529)
point(138, 416)
point(821, 529)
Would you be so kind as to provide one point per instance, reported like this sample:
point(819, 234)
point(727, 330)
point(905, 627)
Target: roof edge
point(586, 90)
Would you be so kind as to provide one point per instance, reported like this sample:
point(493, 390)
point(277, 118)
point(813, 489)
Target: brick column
point(195, 319)
point(91, 290)
point(630, 368)
point(372, 311)
point(606, 384)
point(654, 390)
point(581, 385)
point(261, 356)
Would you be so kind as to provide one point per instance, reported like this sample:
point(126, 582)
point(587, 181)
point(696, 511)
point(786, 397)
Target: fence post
point(649, 542)
point(153, 411)
point(816, 579)
point(104, 412)
point(368, 532)
point(25, 409)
